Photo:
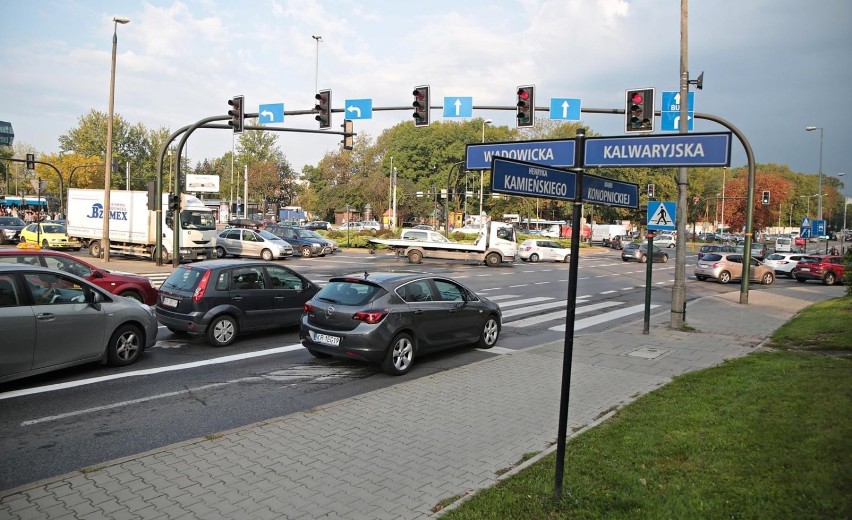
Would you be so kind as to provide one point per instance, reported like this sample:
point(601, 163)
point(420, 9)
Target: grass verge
point(764, 436)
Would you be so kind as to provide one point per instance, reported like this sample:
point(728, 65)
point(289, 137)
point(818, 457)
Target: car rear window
point(184, 278)
point(774, 256)
point(712, 257)
point(348, 292)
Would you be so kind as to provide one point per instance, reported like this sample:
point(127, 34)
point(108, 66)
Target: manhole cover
point(647, 353)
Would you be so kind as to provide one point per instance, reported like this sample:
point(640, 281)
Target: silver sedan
point(53, 319)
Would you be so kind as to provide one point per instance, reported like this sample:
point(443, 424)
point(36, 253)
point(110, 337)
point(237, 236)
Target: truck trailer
point(133, 226)
point(497, 243)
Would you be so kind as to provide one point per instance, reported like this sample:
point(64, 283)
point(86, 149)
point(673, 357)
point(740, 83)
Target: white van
point(783, 245)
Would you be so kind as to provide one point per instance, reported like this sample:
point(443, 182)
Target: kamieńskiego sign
point(531, 180)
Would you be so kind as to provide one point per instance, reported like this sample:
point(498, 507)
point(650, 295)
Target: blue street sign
point(531, 180)
point(670, 111)
point(565, 108)
point(818, 228)
point(805, 229)
point(271, 113)
point(609, 192)
point(661, 215)
point(712, 149)
point(458, 107)
point(359, 108)
point(551, 152)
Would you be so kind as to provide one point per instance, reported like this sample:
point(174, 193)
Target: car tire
point(222, 331)
point(415, 257)
point(490, 333)
point(220, 252)
point(493, 259)
point(400, 355)
point(643, 259)
point(671, 245)
point(767, 279)
point(665, 258)
point(266, 254)
point(829, 279)
point(132, 295)
point(125, 345)
point(95, 249)
point(45, 245)
point(566, 259)
point(533, 258)
point(800, 280)
point(724, 277)
point(700, 278)
point(306, 252)
point(625, 259)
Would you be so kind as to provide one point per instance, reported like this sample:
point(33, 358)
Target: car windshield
point(53, 228)
point(11, 221)
point(312, 234)
point(349, 292)
point(267, 235)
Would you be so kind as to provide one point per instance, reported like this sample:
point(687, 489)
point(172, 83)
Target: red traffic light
point(637, 97)
point(523, 94)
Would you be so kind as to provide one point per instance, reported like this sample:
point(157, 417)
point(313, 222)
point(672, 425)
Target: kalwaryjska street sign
point(550, 152)
point(711, 149)
point(525, 179)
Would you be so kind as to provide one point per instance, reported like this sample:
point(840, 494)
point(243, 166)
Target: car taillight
point(202, 286)
point(308, 307)
point(371, 317)
point(716, 264)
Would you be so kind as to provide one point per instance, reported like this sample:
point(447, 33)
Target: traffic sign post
point(711, 149)
point(525, 179)
point(458, 107)
point(670, 112)
point(550, 152)
point(566, 109)
point(661, 215)
point(609, 192)
point(270, 113)
point(359, 108)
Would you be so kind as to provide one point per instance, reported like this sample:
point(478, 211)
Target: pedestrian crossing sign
point(661, 215)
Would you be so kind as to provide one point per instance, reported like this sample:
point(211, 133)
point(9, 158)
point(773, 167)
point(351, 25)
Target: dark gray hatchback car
point(389, 318)
point(222, 298)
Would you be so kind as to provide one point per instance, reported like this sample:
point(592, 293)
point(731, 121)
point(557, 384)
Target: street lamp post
point(108, 169)
point(843, 228)
point(482, 172)
point(819, 179)
point(316, 68)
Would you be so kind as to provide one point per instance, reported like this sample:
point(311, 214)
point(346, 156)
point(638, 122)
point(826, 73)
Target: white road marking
point(535, 320)
point(525, 301)
point(603, 318)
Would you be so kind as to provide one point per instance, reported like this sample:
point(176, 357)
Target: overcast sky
point(771, 67)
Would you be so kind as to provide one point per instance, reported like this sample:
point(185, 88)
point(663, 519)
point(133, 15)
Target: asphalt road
point(184, 388)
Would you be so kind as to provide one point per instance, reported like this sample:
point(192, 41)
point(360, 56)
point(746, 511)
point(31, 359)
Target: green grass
point(764, 436)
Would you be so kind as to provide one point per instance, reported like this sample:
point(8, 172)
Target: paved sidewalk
point(396, 452)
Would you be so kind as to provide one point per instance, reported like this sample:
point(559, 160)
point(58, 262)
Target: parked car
point(371, 224)
point(714, 248)
point(783, 245)
point(10, 229)
point(318, 224)
point(423, 235)
point(301, 240)
point(620, 241)
point(534, 249)
point(725, 267)
point(639, 252)
point(131, 286)
point(327, 241)
point(826, 268)
point(664, 240)
point(223, 298)
point(783, 263)
point(49, 236)
point(53, 320)
point(758, 250)
point(391, 319)
point(250, 242)
point(474, 230)
point(352, 227)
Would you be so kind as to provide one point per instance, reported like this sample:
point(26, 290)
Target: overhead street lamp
point(316, 68)
point(105, 243)
point(482, 172)
point(819, 180)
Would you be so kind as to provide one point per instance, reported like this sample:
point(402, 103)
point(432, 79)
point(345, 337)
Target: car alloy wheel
point(306, 251)
point(767, 279)
point(533, 258)
point(400, 355)
point(724, 277)
point(829, 279)
point(266, 254)
point(125, 346)
point(220, 252)
point(222, 331)
point(490, 333)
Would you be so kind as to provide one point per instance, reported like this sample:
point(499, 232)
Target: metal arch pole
point(58, 174)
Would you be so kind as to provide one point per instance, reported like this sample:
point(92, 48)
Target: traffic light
point(323, 107)
point(765, 197)
point(421, 105)
point(174, 202)
point(237, 113)
point(30, 161)
point(651, 190)
point(349, 138)
point(639, 110)
point(152, 195)
point(526, 106)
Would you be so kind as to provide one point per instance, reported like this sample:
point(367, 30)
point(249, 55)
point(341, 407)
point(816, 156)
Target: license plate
point(170, 302)
point(806, 268)
point(325, 339)
point(703, 266)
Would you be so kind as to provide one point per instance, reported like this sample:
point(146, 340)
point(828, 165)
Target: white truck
point(132, 226)
point(605, 233)
point(496, 243)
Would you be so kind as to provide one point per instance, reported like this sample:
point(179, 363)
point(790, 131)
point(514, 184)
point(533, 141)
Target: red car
point(826, 268)
point(128, 285)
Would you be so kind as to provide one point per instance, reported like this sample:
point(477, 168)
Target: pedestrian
point(834, 251)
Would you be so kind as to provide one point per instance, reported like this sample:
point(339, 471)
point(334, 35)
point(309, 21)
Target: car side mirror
point(96, 300)
point(97, 274)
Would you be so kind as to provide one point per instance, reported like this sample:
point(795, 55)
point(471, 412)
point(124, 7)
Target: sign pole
point(648, 279)
point(570, 313)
